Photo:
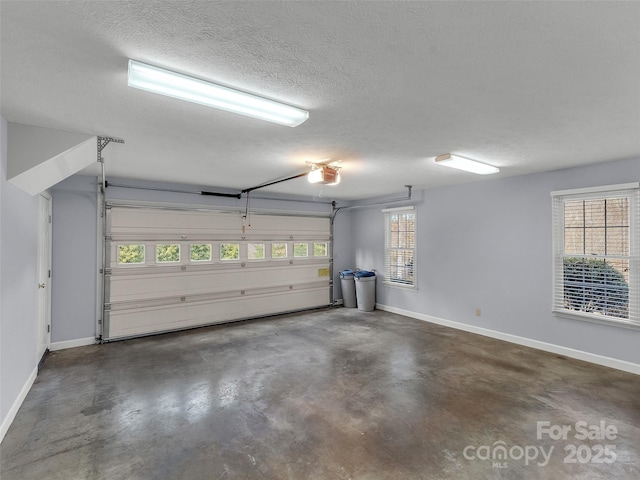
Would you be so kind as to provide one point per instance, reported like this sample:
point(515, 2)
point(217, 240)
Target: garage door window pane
point(200, 252)
point(229, 251)
point(278, 250)
point(130, 254)
point(166, 253)
point(300, 249)
point(320, 249)
point(255, 251)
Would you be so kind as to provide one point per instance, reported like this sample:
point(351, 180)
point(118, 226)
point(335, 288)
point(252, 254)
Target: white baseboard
point(80, 342)
point(527, 342)
point(11, 414)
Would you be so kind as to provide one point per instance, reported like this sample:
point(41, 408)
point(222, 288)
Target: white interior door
point(171, 269)
point(44, 276)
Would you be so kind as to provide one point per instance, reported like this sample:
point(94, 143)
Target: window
point(596, 261)
point(300, 249)
point(200, 252)
point(255, 251)
point(130, 254)
point(320, 249)
point(166, 253)
point(278, 250)
point(229, 251)
point(400, 246)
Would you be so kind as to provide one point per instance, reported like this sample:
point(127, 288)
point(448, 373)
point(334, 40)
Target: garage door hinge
point(48, 328)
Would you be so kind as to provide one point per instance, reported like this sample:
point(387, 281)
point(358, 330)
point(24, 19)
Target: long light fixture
point(453, 161)
point(324, 174)
point(172, 84)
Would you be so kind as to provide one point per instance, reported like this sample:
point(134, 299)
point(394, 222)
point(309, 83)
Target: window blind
point(596, 254)
point(400, 246)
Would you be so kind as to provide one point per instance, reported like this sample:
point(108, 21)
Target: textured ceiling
point(526, 86)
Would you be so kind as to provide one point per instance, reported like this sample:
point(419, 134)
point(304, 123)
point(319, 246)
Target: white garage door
point(171, 269)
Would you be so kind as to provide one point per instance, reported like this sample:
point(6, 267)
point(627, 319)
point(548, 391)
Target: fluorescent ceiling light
point(465, 164)
point(324, 174)
point(176, 85)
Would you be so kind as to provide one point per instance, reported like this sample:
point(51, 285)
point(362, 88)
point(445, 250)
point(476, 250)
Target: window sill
point(598, 319)
point(402, 286)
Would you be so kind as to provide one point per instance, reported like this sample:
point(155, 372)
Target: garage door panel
point(153, 223)
point(125, 288)
point(142, 321)
point(255, 267)
point(145, 302)
point(141, 223)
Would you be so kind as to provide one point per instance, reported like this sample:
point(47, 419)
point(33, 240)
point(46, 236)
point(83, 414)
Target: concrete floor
point(330, 394)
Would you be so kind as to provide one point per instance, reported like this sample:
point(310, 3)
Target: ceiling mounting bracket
point(103, 142)
point(408, 187)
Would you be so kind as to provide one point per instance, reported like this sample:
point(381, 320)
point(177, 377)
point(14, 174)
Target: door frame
point(44, 264)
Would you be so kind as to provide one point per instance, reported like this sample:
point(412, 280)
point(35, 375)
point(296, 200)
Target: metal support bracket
point(103, 142)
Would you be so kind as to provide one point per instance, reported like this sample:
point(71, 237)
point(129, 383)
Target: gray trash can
point(348, 288)
point(365, 290)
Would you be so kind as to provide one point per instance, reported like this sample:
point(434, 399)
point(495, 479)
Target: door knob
point(41, 285)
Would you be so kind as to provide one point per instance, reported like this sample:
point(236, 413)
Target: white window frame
point(198, 262)
point(229, 260)
point(326, 249)
point(287, 250)
point(127, 244)
point(172, 262)
point(264, 251)
point(559, 198)
point(293, 250)
point(388, 213)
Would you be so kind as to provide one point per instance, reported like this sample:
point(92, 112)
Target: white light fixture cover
point(453, 161)
point(165, 82)
point(324, 174)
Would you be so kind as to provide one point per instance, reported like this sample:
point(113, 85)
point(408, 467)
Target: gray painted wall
point(74, 297)
point(18, 285)
point(488, 245)
point(74, 267)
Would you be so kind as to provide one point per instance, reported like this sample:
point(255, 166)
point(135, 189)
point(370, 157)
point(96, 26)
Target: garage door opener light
point(324, 174)
point(172, 84)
